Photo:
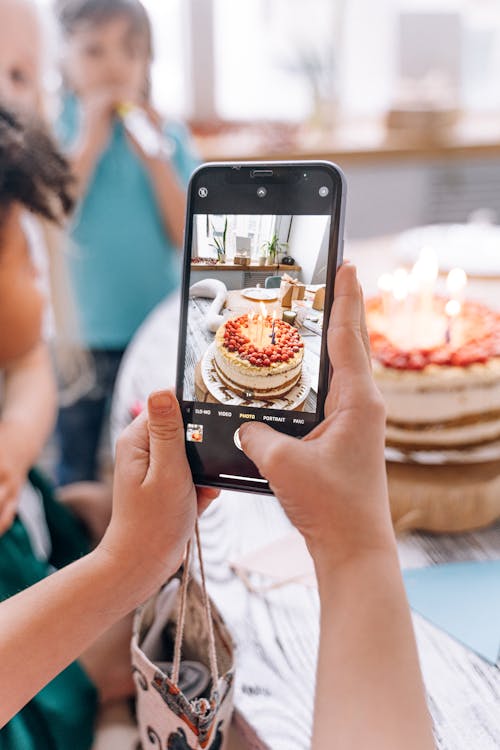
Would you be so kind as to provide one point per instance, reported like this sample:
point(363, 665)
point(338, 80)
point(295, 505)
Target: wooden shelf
point(233, 267)
point(354, 141)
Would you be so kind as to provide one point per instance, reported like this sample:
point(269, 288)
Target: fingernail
point(161, 402)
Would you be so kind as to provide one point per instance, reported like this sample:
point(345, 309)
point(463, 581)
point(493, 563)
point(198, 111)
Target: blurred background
point(405, 96)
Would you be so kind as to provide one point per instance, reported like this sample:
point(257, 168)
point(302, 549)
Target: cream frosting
point(266, 381)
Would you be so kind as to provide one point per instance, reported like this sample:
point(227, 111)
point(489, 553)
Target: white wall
point(383, 199)
point(304, 244)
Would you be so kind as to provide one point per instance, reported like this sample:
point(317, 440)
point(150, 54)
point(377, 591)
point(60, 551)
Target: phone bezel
point(335, 257)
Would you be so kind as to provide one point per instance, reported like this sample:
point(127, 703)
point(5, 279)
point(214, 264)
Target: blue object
point(122, 263)
point(273, 282)
point(463, 599)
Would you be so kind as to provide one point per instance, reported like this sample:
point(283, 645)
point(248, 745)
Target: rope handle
point(181, 620)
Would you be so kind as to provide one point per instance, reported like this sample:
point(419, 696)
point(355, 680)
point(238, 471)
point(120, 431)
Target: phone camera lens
point(323, 191)
point(262, 192)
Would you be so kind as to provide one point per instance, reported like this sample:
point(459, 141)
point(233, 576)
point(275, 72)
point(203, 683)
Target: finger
point(166, 433)
point(7, 516)
point(206, 495)
point(264, 446)
point(4, 493)
point(364, 328)
point(345, 340)
point(132, 449)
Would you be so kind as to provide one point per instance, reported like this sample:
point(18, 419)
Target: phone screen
point(263, 243)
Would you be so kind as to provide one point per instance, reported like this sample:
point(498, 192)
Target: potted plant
point(219, 242)
point(273, 247)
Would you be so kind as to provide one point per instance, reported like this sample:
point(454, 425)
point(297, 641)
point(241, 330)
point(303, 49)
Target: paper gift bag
point(291, 289)
point(179, 639)
point(319, 298)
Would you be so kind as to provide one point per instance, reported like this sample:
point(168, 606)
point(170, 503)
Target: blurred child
point(34, 178)
point(21, 52)
point(28, 402)
point(129, 222)
point(29, 393)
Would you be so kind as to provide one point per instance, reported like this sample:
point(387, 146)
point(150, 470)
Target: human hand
point(155, 503)
point(98, 110)
point(332, 484)
point(13, 473)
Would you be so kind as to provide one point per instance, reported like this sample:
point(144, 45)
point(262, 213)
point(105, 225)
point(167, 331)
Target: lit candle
point(251, 316)
point(426, 270)
point(456, 282)
point(400, 281)
point(386, 285)
point(273, 336)
point(400, 323)
point(262, 321)
point(452, 310)
point(424, 275)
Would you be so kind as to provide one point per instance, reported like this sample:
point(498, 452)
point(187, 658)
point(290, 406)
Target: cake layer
point(446, 395)
point(438, 394)
point(435, 438)
point(260, 388)
point(258, 380)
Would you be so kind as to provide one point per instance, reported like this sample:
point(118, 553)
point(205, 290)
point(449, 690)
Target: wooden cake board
point(449, 498)
point(203, 394)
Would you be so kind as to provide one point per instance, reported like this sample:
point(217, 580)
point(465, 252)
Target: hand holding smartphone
point(263, 356)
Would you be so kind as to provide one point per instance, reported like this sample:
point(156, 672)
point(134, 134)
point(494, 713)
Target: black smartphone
point(262, 246)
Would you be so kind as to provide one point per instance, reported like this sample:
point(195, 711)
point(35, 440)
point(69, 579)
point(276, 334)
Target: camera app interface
point(255, 325)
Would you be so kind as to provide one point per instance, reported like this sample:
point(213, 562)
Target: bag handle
point(179, 635)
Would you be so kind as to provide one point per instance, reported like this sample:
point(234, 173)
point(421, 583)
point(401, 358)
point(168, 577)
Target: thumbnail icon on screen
point(194, 433)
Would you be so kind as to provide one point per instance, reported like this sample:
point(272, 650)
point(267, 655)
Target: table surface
point(277, 632)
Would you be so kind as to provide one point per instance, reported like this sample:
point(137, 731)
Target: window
point(169, 75)
point(269, 56)
point(280, 59)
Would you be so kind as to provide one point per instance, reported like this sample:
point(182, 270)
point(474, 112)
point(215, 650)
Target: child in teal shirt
point(129, 223)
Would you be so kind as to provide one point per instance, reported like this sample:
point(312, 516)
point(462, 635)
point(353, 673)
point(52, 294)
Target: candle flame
point(385, 282)
point(452, 308)
point(400, 284)
point(456, 281)
point(426, 269)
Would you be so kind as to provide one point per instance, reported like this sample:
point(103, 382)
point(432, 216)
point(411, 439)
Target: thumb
point(266, 447)
point(166, 431)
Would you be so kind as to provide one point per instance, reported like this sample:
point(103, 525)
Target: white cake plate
point(474, 247)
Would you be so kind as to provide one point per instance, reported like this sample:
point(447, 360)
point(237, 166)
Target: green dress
point(62, 715)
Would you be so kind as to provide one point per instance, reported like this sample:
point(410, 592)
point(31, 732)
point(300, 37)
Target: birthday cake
point(258, 358)
point(444, 396)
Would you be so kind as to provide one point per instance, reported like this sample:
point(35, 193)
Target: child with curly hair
point(40, 534)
